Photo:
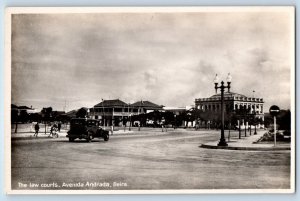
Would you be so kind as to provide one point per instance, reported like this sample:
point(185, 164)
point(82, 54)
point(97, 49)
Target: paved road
point(148, 160)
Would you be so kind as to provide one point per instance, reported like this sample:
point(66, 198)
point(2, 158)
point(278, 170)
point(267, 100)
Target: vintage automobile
point(88, 129)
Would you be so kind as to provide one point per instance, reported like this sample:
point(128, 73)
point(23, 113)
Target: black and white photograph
point(150, 100)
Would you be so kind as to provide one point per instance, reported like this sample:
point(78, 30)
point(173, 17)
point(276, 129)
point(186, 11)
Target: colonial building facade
point(112, 112)
point(233, 102)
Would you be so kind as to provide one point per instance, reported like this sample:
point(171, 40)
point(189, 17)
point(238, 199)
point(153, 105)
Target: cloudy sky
point(167, 58)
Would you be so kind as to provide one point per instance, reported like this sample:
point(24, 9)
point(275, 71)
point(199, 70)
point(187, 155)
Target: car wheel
point(71, 139)
point(106, 137)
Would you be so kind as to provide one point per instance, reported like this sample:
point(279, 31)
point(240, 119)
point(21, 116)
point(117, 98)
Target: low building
point(143, 107)
point(112, 112)
point(22, 113)
point(71, 114)
point(175, 110)
point(20, 109)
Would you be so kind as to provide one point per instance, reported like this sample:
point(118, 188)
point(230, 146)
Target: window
point(91, 123)
point(118, 110)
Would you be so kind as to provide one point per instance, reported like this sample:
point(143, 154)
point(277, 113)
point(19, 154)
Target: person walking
point(53, 130)
point(163, 122)
point(59, 126)
point(36, 128)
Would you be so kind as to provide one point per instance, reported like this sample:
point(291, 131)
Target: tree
point(284, 120)
point(214, 117)
point(81, 113)
point(24, 116)
point(46, 115)
point(15, 118)
point(169, 117)
point(36, 117)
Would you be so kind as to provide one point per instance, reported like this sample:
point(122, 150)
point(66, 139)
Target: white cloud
point(170, 59)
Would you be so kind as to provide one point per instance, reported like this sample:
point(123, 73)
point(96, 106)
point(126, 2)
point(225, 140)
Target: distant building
point(143, 107)
point(232, 101)
point(21, 109)
point(112, 112)
point(175, 110)
point(21, 113)
point(71, 114)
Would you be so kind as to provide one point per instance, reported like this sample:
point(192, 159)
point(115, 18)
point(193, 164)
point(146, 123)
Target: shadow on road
point(79, 141)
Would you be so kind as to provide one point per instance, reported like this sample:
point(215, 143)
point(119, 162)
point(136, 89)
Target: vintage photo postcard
point(150, 100)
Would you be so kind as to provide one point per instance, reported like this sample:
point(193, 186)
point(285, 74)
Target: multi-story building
point(112, 112)
point(233, 102)
point(142, 107)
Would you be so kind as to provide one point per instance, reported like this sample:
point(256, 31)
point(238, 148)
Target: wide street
point(148, 159)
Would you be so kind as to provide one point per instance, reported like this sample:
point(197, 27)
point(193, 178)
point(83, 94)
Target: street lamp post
point(129, 118)
point(240, 127)
point(254, 122)
point(245, 116)
point(175, 122)
point(222, 141)
point(103, 114)
point(229, 126)
point(129, 122)
point(250, 129)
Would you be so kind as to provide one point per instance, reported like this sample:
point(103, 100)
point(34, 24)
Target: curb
point(245, 148)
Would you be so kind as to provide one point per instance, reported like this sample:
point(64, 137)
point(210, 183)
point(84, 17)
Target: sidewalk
point(248, 143)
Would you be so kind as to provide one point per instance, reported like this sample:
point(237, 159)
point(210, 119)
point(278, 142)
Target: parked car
point(88, 129)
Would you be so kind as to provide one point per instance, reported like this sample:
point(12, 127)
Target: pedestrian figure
point(59, 126)
point(53, 130)
point(36, 128)
point(112, 129)
point(163, 121)
point(197, 126)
